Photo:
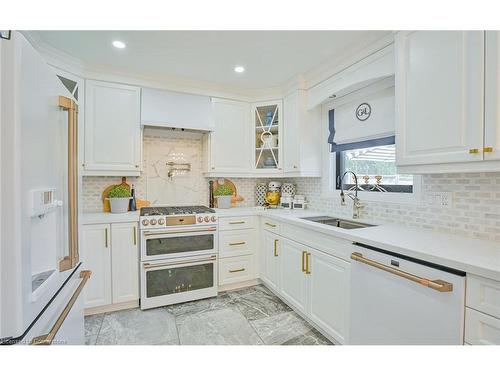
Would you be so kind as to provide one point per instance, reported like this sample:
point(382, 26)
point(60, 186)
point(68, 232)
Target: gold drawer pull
point(474, 151)
point(135, 235)
point(237, 222)
point(49, 337)
point(275, 248)
point(488, 149)
point(238, 270)
point(308, 263)
point(270, 225)
point(237, 243)
point(439, 285)
point(106, 237)
point(304, 256)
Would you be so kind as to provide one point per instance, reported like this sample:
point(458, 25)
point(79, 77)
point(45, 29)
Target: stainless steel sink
point(336, 222)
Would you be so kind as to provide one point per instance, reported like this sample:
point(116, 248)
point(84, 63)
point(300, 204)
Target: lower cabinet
point(111, 252)
point(314, 283)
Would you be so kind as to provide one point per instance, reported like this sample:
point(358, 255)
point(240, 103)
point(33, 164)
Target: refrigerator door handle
point(49, 337)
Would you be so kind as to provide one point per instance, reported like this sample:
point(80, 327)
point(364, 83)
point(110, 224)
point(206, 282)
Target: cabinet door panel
point(230, 142)
point(329, 294)
point(125, 262)
point(439, 96)
point(492, 97)
point(293, 277)
point(270, 264)
point(112, 127)
point(96, 257)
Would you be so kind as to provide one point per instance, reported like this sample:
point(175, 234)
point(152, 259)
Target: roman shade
point(366, 121)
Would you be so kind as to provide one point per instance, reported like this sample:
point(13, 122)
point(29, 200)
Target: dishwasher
point(398, 300)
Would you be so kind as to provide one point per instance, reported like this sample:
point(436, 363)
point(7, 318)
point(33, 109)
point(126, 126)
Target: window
point(375, 168)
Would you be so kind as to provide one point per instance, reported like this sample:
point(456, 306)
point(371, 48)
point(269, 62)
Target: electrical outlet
point(439, 199)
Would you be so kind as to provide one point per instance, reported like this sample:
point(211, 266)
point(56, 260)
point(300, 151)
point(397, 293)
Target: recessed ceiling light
point(239, 69)
point(119, 44)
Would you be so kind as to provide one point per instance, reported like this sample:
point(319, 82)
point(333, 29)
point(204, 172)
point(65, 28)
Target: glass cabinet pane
point(267, 128)
point(171, 245)
point(180, 279)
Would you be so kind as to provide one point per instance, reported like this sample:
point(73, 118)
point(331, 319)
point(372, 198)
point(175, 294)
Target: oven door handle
point(159, 233)
point(156, 265)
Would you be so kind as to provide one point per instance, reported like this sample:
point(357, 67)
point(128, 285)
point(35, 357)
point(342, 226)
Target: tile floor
point(251, 316)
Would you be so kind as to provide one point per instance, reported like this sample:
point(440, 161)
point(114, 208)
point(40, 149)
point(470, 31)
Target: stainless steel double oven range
point(178, 254)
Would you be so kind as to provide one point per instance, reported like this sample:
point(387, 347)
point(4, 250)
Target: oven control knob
point(153, 221)
point(161, 221)
point(207, 219)
point(145, 222)
point(213, 218)
point(200, 219)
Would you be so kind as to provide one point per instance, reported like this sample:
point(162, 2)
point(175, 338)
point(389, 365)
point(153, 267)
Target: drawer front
point(483, 295)
point(481, 329)
point(236, 242)
point(271, 225)
point(236, 269)
point(237, 222)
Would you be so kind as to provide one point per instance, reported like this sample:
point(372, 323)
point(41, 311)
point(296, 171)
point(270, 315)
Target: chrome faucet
point(356, 205)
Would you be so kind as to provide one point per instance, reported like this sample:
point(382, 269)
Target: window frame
point(330, 188)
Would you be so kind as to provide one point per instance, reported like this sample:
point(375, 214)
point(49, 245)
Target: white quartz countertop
point(467, 254)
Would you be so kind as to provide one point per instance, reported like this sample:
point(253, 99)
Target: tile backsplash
point(474, 212)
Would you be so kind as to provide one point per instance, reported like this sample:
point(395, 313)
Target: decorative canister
point(286, 202)
point(260, 194)
point(299, 202)
point(288, 189)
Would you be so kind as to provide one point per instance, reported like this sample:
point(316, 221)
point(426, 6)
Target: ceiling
point(271, 58)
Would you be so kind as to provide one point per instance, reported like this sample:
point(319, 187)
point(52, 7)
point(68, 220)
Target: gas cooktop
point(175, 210)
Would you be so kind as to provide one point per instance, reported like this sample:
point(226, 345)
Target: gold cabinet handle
point(308, 263)
point(237, 222)
point(439, 285)
point(135, 235)
point(237, 243)
point(270, 225)
point(106, 237)
point(474, 151)
point(304, 256)
point(49, 337)
point(488, 149)
point(275, 248)
point(238, 270)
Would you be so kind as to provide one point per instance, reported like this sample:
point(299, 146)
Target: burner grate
point(175, 210)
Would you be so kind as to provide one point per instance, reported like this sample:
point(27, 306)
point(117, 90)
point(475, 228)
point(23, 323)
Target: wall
point(475, 211)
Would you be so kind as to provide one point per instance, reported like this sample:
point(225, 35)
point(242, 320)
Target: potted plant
point(224, 194)
point(119, 198)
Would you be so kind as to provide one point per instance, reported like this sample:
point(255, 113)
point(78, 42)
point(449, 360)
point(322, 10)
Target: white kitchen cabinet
point(111, 252)
point(294, 275)
point(230, 148)
point(112, 129)
point(271, 249)
point(481, 329)
point(329, 294)
point(172, 109)
point(96, 257)
point(439, 97)
point(301, 135)
point(124, 262)
point(267, 124)
point(492, 97)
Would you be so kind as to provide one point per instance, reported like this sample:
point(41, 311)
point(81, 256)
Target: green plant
point(119, 191)
point(223, 190)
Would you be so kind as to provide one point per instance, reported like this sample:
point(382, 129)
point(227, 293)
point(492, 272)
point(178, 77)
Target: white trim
point(328, 190)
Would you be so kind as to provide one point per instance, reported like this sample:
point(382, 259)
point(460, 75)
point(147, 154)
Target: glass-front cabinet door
point(267, 123)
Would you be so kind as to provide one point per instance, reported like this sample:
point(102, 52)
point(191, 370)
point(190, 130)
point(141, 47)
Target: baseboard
point(243, 284)
point(112, 307)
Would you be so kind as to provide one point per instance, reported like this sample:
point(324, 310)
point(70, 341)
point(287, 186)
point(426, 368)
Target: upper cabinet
point(112, 129)
point(492, 97)
point(267, 122)
point(439, 97)
point(176, 110)
point(301, 137)
point(447, 101)
point(229, 144)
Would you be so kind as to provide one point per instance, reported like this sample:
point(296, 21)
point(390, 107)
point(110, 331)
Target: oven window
point(171, 245)
point(177, 280)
